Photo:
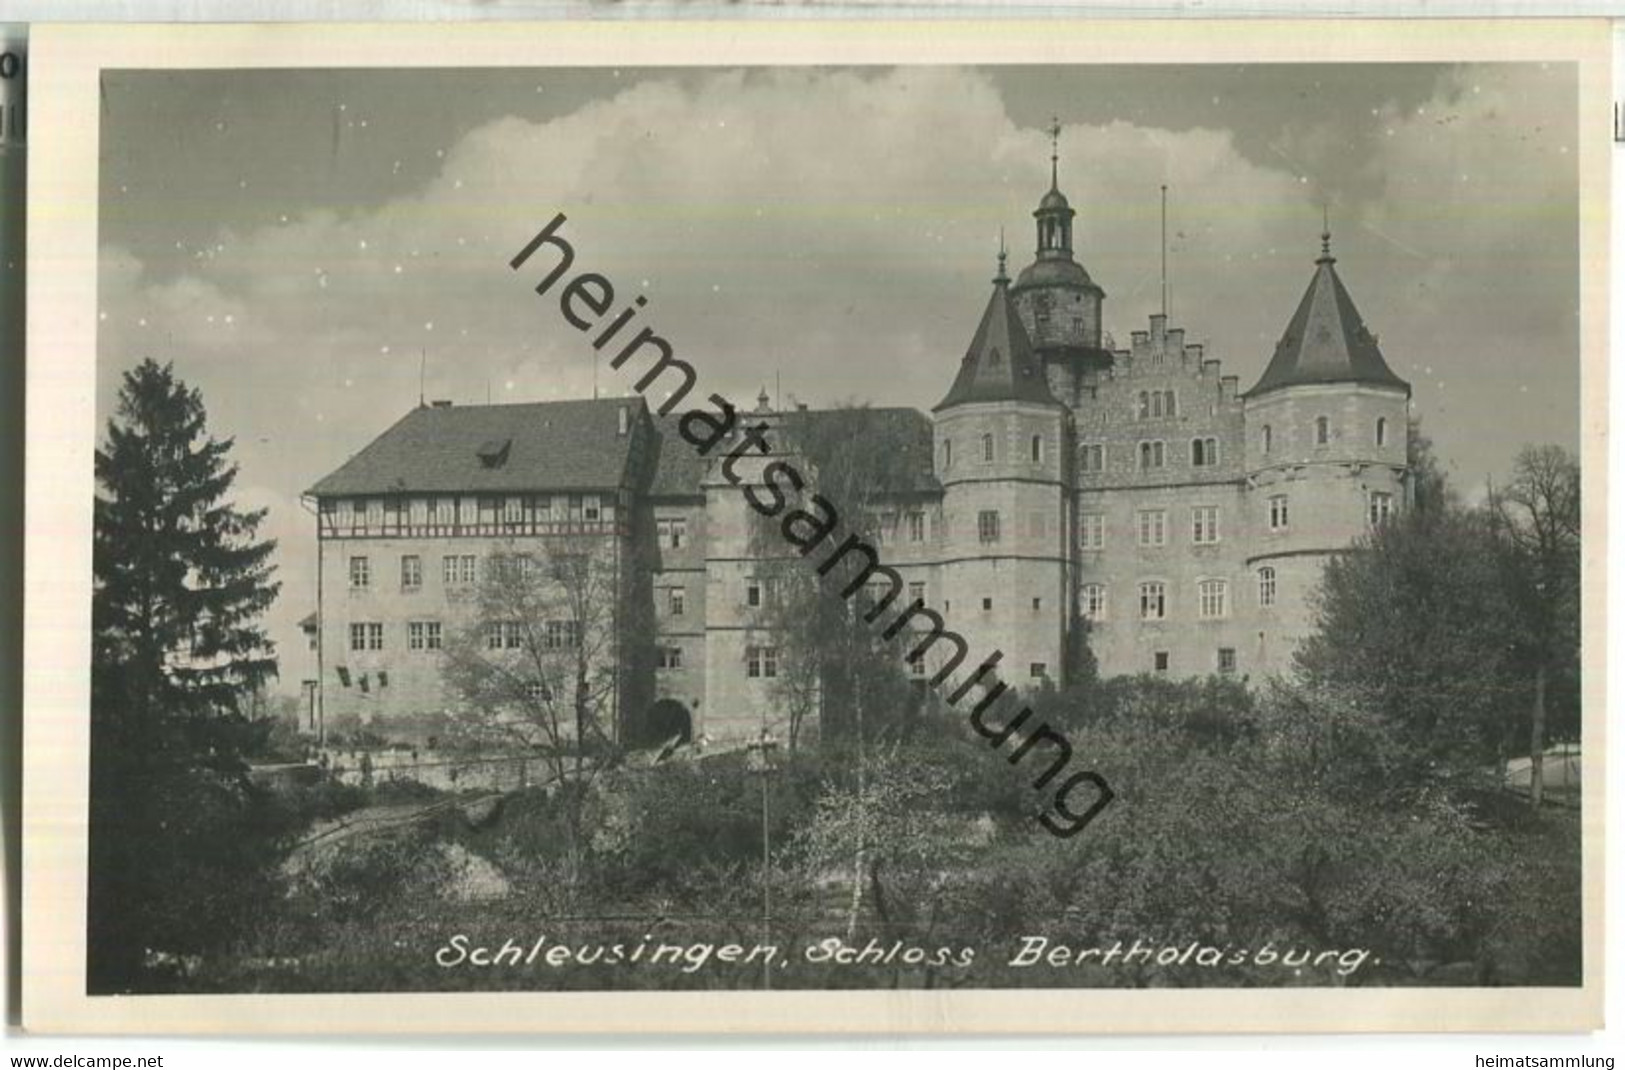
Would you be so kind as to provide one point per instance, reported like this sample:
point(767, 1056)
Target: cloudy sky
point(295, 240)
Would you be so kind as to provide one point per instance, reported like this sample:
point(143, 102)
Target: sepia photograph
point(806, 527)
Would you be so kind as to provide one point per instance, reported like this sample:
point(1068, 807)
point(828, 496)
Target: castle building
point(1063, 493)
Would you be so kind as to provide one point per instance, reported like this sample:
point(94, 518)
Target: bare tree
point(538, 664)
point(1537, 516)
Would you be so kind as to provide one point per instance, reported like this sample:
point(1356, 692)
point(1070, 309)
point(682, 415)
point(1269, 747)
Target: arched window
point(1038, 448)
point(1168, 408)
point(1382, 430)
point(1266, 586)
point(1323, 430)
point(1265, 438)
point(1197, 454)
point(987, 448)
point(1156, 403)
point(1204, 452)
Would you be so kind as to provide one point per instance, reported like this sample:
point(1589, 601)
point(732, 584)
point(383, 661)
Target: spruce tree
point(179, 840)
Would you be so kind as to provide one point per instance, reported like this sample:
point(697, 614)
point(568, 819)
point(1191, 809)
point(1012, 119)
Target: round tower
point(1000, 440)
point(1059, 304)
point(1325, 454)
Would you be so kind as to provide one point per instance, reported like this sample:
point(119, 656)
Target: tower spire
point(1326, 256)
point(1055, 152)
point(1002, 277)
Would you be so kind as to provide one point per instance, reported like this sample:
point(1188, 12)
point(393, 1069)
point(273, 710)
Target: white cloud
point(835, 228)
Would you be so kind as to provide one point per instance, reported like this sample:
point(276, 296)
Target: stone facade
point(1065, 487)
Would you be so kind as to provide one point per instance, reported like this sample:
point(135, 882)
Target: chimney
point(623, 420)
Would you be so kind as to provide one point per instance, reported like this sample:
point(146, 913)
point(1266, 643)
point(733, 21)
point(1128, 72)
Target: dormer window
point(493, 453)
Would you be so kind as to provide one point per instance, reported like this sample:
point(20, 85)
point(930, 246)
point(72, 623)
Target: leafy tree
point(178, 841)
point(1415, 625)
point(1430, 488)
point(538, 665)
point(1537, 520)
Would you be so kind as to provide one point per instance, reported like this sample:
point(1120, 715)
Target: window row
point(554, 635)
point(462, 570)
point(1224, 661)
point(1156, 404)
point(989, 450)
point(1212, 598)
point(420, 635)
point(1152, 454)
point(515, 511)
point(1323, 433)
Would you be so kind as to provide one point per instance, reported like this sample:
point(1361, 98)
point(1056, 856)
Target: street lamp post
point(761, 759)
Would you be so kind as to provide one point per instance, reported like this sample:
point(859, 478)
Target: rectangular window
point(563, 634)
point(672, 531)
point(671, 657)
point(493, 636)
point(418, 512)
point(1037, 670)
point(358, 637)
point(536, 691)
point(513, 636)
point(1153, 527)
point(375, 636)
point(676, 601)
point(987, 525)
point(1227, 659)
point(987, 448)
point(762, 662)
point(916, 527)
point(360, 573)
point(411, 572)
point(1210, 599)
point(1038, 605)
point(1278, 513)
point(1160, 660)
point(591, 507)
point(1382, 507)
point(1092, 458)
point(1205, 525)
point(1266, 586)
point(448, 570)
point(414, 635)
point(443, 512)
point(1092, 531)
point(753, 593)
point(1153, 601)
point(513, 511)
point(431, 635)
point(1094, 601)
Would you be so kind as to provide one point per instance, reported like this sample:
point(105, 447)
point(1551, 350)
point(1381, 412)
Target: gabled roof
point(551, 445)
point(896, 455)
point(1326, 341)
point(679, 468)
point(1000, 364)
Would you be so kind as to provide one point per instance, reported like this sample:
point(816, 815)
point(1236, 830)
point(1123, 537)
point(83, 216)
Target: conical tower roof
point(1326, 341)
point(1000, 364)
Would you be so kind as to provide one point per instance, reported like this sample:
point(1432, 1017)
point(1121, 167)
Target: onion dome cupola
point(1326, 341)
point(1000, 364)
